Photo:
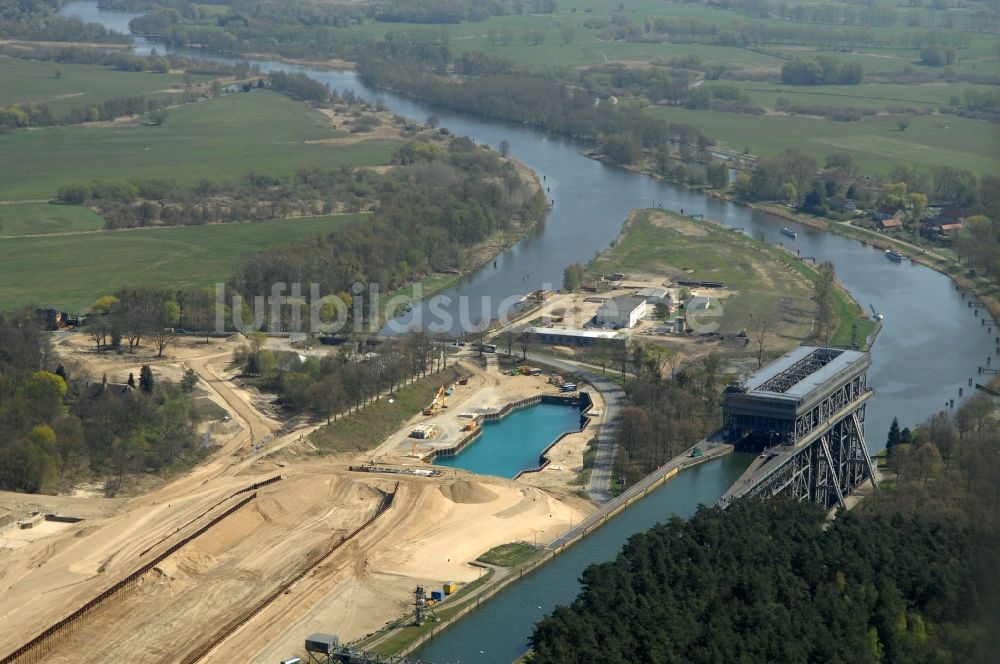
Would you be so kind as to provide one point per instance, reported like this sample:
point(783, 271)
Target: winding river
point(930, 346)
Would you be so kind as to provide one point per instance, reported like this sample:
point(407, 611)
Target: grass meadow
point(69, 272)
point(218, 139)
point(79, 86)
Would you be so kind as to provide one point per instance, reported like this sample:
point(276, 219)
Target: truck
point(568, 387)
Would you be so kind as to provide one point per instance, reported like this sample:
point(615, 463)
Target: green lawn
point(79, 86)
point(876, 142)
point(221, 138)
point(40, 218)
point(70, 272)
point(667, 244)
point(370, 426)
point(509, 555)
point(758, 272)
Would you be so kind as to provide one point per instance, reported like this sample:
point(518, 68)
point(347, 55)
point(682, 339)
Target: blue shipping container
point(437, 595)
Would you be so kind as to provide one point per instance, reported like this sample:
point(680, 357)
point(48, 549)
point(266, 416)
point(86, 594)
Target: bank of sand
point(435, 527)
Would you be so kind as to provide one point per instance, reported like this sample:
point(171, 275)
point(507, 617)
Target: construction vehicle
point(471, 425)
point(696, 452)
point(436, 403)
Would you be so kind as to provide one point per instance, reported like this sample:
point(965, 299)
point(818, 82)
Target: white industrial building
point(621, 312)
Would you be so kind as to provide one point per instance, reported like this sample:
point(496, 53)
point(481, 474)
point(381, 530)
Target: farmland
point(79, 86)
point(44, 218)
point(221, 138)
point(876, 141)
point(70, 272)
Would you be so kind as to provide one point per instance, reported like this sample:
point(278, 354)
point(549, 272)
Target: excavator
point(436, 402)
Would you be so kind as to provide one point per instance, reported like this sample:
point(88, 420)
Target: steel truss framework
point(807, 366)
point(348, 655)
point(825, 470)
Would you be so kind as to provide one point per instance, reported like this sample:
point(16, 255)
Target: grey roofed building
point(624, 311)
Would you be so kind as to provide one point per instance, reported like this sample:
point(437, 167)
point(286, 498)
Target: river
point(930, 345)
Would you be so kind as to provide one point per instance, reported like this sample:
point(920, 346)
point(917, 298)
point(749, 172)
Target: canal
point(930, 346)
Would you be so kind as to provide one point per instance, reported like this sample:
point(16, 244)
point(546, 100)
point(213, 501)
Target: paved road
point(711, 449)
point(613, 395)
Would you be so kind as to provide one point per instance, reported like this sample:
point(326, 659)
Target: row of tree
point(339, 381)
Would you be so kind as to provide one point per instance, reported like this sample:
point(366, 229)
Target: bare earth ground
point(435, 527)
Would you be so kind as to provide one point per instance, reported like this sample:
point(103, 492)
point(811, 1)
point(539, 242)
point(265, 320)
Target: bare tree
point(760, 339)
point(525, 339)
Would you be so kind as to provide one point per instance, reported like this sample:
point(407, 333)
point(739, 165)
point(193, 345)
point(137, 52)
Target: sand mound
point(467, 491)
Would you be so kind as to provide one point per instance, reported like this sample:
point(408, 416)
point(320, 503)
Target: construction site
point(265, 543)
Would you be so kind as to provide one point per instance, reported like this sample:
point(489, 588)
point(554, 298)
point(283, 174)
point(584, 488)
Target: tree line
point(58, 428)
point(339, 381)
point(440, 202)
point(35, 114)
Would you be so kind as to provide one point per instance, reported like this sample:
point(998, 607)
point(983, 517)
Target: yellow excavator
point(435, 403)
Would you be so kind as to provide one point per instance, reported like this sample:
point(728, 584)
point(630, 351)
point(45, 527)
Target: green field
point(221, 138)
point(70, 272)
point(41, 218)
point(373, 424)
point(509, 555)
point(875, 141)
point(878, 96)
point(662, 243)
point(770, 283)
point(79, 86)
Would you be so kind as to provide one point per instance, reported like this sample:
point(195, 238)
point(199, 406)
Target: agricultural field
point(69, 272)
point(44, 218)
point(876, 141)
point(219, 139)
point(79, 86)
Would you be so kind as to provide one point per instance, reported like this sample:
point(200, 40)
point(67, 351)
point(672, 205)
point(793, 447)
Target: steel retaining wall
point(32, 651)
point(582, 399)
point(246, 489)
point(239, 621)
point(586, 403)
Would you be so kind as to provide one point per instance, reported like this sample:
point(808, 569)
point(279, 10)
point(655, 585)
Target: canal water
point(497, 632)
point(930, 346)
point(513, 444)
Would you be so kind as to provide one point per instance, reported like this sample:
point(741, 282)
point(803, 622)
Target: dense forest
point(57, 428)
point(908, 577)
point(440, 202)
point(764, 581)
